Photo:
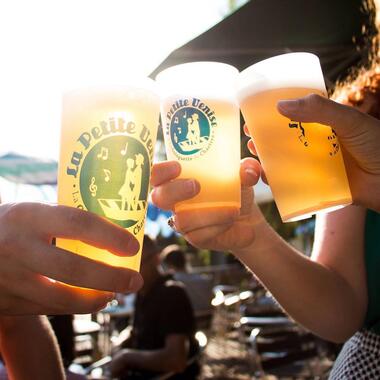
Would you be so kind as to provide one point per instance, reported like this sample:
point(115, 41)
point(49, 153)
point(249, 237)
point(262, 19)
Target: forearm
point(148, 360)
point(158, 360)
point(312, 294)
point(29, 348)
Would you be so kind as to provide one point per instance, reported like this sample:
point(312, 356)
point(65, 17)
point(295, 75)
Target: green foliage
point(205, 256)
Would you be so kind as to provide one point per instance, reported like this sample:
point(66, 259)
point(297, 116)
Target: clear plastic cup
point(107, 140)
point(303, 162)
point(201, 125)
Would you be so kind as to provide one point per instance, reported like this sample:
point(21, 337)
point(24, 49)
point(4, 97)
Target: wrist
point(262, 232)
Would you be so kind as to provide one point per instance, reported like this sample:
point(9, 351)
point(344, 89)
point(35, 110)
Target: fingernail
point(135, 283)
point(175, 168)
point(190, 186)
point(133, 246)
point(288, 105)
point(251, 173)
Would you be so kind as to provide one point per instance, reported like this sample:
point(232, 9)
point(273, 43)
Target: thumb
point(249, 172)
point(346, 121)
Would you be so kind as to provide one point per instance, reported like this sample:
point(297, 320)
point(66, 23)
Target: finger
point(247, 199)
point(251, 147)
point(246, 130)
point(264, 176)
point(73, 269)
point(168, 194)
point(345, 120)
point(250, 170)
point(50, 297)
point(164, 172)
point(17, 306)
point(20, 306)
point(61, 298)
point(72, 223)
point(190, 220)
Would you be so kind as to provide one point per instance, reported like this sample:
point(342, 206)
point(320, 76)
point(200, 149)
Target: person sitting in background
point(199, 287)
point(63, 328)
point(162, 339)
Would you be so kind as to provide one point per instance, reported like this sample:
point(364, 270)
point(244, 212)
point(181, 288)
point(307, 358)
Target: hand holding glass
point(303, 162)
point(107, 140)
point(201, 124)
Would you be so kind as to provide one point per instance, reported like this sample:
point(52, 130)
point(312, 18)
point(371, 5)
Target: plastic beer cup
point(303, 162)
point(201, 125)
point(107, 139)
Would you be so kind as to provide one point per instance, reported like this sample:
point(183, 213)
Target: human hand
point(122, 361)
point(217, 228)
point(28, 260)
point(359, 135)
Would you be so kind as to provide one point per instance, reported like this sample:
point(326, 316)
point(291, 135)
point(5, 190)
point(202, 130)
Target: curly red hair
point(362, 87)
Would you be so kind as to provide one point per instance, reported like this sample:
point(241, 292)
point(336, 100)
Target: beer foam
point(108, 85)
point(293, 70)
point(214, 80)
point(134, 88)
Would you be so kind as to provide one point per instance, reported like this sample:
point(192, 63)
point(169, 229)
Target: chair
point(276, 345)
point(86, 341)
point(200, 291)
point(100, 366)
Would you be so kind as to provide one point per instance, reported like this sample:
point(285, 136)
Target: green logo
point(114, 179)
point(190, 127)
point(189, 131)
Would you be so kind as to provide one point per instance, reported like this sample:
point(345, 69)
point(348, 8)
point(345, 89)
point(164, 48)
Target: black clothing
point(64, 331)
point(164, 310)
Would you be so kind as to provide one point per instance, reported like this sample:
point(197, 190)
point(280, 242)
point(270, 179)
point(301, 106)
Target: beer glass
point(302, 161)
point(107, 140)
point(201, 125)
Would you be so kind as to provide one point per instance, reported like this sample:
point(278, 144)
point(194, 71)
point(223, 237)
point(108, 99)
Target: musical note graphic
point(185, 115)
point(176, 121)
point(107, 175)
point(103, 154)
point(93, 188)
point(124, 151)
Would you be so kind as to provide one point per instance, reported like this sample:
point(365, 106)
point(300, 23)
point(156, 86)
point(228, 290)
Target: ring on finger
point(171, 223)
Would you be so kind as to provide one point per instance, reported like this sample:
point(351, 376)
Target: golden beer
point(302, 161)
point(201, 124)
point(107, 140)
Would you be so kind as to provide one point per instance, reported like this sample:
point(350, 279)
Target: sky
point(47, 46)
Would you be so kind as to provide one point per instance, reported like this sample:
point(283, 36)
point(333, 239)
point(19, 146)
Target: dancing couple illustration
point(131, 188)
point(193, 130)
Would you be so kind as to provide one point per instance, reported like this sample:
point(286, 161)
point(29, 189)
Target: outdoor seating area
point(244, 335)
